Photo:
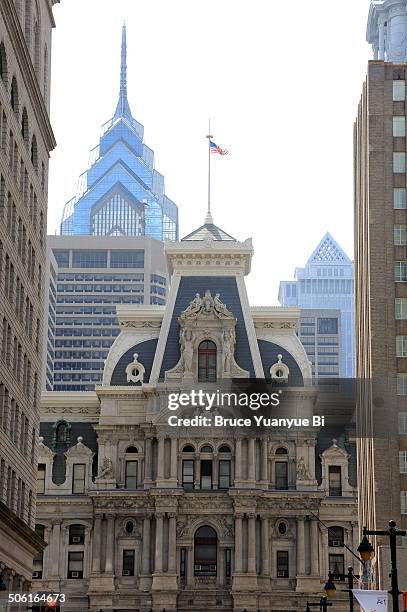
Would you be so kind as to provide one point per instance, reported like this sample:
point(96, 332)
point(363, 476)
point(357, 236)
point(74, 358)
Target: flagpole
point(209, 136)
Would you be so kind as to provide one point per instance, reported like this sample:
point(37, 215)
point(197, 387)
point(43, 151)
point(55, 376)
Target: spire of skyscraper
point(123, 107)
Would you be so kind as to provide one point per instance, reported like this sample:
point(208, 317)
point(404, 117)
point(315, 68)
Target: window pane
point(399, 91)
point(41, 478)
point(188, 474)
point(401, 384)
point(400, 271)
point(335, 481)
point(282, 564)
point(403, 462)
point(281, 475)
point(75, 565)
point(399, 163)
point(337, 566)
point(400, 235)
point(224, 474)
point(128, 562)
point(131, 474)
point(403, 423)
point(401, 346)
point(78, 484)
point(399, 198)
point(399, 127)
point(400, 308)
point(403, 499)
point(206, 474)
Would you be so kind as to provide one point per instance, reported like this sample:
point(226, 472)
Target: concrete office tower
point(88, 277)
point(381, 281)
point(26, 139)
point(121, 194)
point(326, 283)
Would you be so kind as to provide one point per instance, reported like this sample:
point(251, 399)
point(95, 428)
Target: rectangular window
point(127, 259)
point(403, 423)
point(131, 475)
point(224, 474)
point(89, 259)
point(401, 384)
point(328, 325)
point(128, 563)
point(400, 235)
point(399, 198)
point(39, 558)
point(400, 307)
point(62, 258)
point(228, 562)
point(206, 474)
point(399, 91)
point(78, 478)
point(337, 567)
point(282, 475)
point(335, 481)
point(282, 564)
point(400, 271)
point(41, 478)
point(76, 534)
point(403, 462)
point(75, 565)
point(399, 163)
point(403, 501)
point(188, 473)
point(183, 563)
point(401, 346)
point(399, 127)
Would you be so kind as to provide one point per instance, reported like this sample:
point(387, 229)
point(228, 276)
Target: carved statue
point(302, 472)
point(135, 370)
point(208, 302)
point(193, 309)
point(228, 338)
point(107, 468)
point(188, 354)
point(220, 308)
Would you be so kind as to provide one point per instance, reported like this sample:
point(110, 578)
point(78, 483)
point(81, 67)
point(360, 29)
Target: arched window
point(131, 449)
point(336, 536)
point(206, 449)
point(24, 125)
point(281, 451)
point(207, 361)
point(14, 95)
point(76, 534)
point(3, 63)
point(224, 449)
point(188, 449)
point(34, 152)
point(62, 434)
point(205, 551)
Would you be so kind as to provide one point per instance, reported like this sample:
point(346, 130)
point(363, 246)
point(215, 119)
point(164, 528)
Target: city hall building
point(141, 515)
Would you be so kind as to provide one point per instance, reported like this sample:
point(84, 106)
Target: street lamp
point(330, 588)
point(392, 533)
point(365, 549)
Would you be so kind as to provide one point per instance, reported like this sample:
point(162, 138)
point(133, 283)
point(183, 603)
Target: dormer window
point(62, 434)
point(207, 355)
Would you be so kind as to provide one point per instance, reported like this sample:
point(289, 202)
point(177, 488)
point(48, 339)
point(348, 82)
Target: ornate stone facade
point(140, 515)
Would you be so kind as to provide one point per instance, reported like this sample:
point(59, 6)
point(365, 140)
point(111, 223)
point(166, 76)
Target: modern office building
point(26, 139)
point(327, 283)
point(121, 194)
point(142, 515)
point(89, 276)
point(381, 281)
point(320, 334)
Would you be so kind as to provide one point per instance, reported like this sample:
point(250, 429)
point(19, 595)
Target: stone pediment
point(79, 450)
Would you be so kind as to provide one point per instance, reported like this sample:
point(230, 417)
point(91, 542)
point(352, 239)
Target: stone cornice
point(224, 257)
point(21, 531)
point(140, 316)
point(28, 72)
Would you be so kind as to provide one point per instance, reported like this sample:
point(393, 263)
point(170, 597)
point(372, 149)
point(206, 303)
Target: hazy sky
point(281, 83)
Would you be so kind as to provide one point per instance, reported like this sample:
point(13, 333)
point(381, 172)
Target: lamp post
point(392, 533)
point(323, 605)
point(330, 588)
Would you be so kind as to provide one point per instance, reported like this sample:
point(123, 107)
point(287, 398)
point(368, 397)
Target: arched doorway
point(205, 551)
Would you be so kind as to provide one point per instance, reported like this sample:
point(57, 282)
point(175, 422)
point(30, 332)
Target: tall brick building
point(26, 139)
point(381, 281)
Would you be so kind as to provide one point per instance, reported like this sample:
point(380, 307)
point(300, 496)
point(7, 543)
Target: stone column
point(265, 555)
point(238, 459)
point(146, 545)
point(238, 543)
point(314, 549)
point(159, 531)
point(251, 560)
point(197, 471)
point(252, 460)
point(300, 547)
point(97, 529)
point(109, 544)
point(190, 566)
point(147, 461)
point(174, 459)
point(264, 461)
point(221, 566)
point(54, 545)
point(172, 544)
point(381, 40)
point(215, 471)
point(160, 459)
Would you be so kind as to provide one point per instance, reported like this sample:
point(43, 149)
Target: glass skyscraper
point(121, 194)
point(326, 283)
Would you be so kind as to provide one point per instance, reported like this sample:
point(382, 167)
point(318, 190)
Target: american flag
point(215, 149)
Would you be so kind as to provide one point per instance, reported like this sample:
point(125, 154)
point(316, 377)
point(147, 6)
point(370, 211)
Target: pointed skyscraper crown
point(123, 107)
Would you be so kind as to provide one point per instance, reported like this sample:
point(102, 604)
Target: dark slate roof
point(146, 352)
point(77, 429)
point(209, 230)
point(229, 294)
point(268, 353)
